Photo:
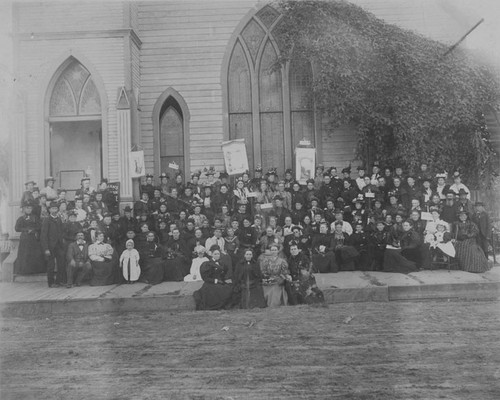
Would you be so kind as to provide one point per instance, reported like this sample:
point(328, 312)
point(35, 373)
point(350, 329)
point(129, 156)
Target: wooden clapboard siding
point(183, 45)
point(62, 16)
point(36, 63)
point(338, 147)
point(135, 65)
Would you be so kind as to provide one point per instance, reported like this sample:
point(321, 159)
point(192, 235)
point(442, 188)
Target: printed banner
point(136, 160)
point(114, 187)
point(235, 156)
point(305, 161)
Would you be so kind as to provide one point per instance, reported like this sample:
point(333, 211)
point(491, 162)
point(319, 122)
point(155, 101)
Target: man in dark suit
point(78, 261)
point(51, 239)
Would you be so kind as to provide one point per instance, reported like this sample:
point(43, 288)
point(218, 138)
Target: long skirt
point(104, 273)
point(395, 261)
point(364, 261)
point(174, 269)
point(152, 270)
point(252, 296)
point(324, 263)
point(470, 256)
point(306, 291)
point(213, 296)
point(275, 295)
point(30, 259)
point(346, 258)
point(377, 258)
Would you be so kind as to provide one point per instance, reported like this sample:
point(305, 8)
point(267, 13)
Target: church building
point(95, 80)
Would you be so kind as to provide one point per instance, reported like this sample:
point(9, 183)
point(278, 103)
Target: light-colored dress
point(129, 263)
point(274, 273)
point(194, 272)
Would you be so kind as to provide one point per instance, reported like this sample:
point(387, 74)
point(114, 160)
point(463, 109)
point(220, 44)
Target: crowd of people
point(254, 241)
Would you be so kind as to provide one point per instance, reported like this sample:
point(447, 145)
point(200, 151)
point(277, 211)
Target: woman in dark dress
point(402, 256)
point(377, 243)
point(30, 258)
point(216, 292)
point(178, 258)
point(248, 282)
point(323, 257)
point(151, 260)
point(469, 255)
point(303, 286)
point(359, 240)
point(346, 254)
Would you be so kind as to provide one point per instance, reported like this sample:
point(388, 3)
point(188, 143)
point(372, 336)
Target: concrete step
point(30, 278)
point(35, 298)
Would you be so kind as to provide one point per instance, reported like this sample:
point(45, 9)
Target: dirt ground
point(397, 350)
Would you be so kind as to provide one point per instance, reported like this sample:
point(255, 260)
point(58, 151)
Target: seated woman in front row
point(216, 292)
point(104, 262)
point(274, 273)
point(403, 255)
point(151, 260)
point(194, 272)
point(303, 287)
point(248, 282)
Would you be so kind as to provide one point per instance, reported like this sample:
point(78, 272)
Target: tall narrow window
point(171, 134)
point(301, 104)
point(240, 100)
point(271, 111)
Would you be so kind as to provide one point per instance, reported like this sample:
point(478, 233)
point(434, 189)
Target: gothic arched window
point(171, 134)
point(75, 93)
point(269, 105)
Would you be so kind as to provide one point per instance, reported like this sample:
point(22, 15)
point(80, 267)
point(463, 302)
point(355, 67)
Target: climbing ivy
point(408, 100)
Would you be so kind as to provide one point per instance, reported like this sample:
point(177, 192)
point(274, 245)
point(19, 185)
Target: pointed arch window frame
point(156, 115)
point(254, 67)
point(46, 88)
point(77, 98)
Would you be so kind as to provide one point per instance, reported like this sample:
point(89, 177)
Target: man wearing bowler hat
point(51, 239)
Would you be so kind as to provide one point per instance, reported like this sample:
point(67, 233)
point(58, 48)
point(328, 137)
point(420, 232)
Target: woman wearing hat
point(28, 193)
point(458, 185)
point(469, 255)
point(377, 243)
point(441, 187)
point(29, 255)
point(49, 190)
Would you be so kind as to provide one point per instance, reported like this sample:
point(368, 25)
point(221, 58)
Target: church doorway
point(75, 126)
